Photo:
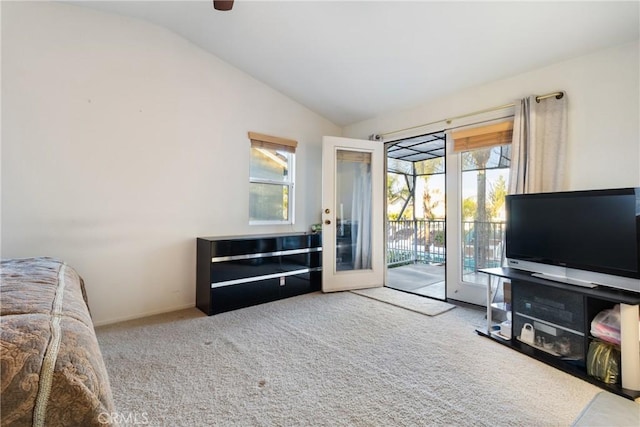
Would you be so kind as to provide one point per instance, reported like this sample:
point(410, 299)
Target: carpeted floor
point(330, 360)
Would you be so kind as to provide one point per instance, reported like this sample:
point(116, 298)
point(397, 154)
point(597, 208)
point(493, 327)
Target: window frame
point(273, 143)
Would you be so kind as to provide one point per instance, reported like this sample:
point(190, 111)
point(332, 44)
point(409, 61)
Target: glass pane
point(430, 166)
point(353, 204)
point(399, 166)
point(269, 164)
point(498, 157)
point(485, 179)
point(268, 202)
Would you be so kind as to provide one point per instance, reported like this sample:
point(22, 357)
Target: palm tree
point(425, 170)
point(480, 159)
point(497, 196)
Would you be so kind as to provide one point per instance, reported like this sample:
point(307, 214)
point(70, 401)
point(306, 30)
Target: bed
point(52, 371)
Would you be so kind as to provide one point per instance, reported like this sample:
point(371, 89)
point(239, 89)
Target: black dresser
point(240, 271)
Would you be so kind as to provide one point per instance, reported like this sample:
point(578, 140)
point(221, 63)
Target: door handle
point(326, 221)
point(327, 211)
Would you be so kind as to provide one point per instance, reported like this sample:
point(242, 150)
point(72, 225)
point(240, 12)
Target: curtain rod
point(558, 95)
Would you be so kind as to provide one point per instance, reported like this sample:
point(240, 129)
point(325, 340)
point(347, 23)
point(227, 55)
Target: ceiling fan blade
point(222, 4)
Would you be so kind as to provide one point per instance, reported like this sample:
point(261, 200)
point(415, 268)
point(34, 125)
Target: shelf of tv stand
point(560, 364)
point(598, 295)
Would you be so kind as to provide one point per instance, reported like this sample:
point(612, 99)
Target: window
point(486, 158)
point(271, 179)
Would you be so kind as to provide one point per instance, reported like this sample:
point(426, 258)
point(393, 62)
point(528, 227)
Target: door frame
point(446, 198)
point(332, 279)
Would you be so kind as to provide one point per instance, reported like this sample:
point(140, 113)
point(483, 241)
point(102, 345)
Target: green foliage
point(497, 195)
point(439, 238)
point(469, 208)
point(396, 188)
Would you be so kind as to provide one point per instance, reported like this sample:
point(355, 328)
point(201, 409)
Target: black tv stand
point(563, 312)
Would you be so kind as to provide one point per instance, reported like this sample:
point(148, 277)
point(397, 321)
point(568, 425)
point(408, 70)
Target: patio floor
point(421, 279)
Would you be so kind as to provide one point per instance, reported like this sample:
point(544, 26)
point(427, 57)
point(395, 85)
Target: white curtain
point(361, 217)
point(539, 145)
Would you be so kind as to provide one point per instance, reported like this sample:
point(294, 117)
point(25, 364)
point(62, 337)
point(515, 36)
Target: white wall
point(604, 113)
point(122, 142)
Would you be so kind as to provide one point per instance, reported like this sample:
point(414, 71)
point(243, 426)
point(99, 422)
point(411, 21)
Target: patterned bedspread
point(52, 372)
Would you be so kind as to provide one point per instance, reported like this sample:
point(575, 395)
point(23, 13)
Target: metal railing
point(423, 241)
point(419, 241)
point(482, 245)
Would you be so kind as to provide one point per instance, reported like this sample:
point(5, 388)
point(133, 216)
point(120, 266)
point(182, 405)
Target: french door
point(352, 214)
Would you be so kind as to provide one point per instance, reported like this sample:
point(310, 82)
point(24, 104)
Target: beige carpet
point(422, 305)
point(330, 360)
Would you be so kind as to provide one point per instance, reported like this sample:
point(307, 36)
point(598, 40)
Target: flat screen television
point(586, 238)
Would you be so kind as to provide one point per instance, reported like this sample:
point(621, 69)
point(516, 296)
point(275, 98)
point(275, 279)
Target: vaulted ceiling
point(354, 60)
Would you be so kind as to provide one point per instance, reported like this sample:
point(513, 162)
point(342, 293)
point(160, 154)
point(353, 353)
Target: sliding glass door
point(485, 179)
point(479, 183)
